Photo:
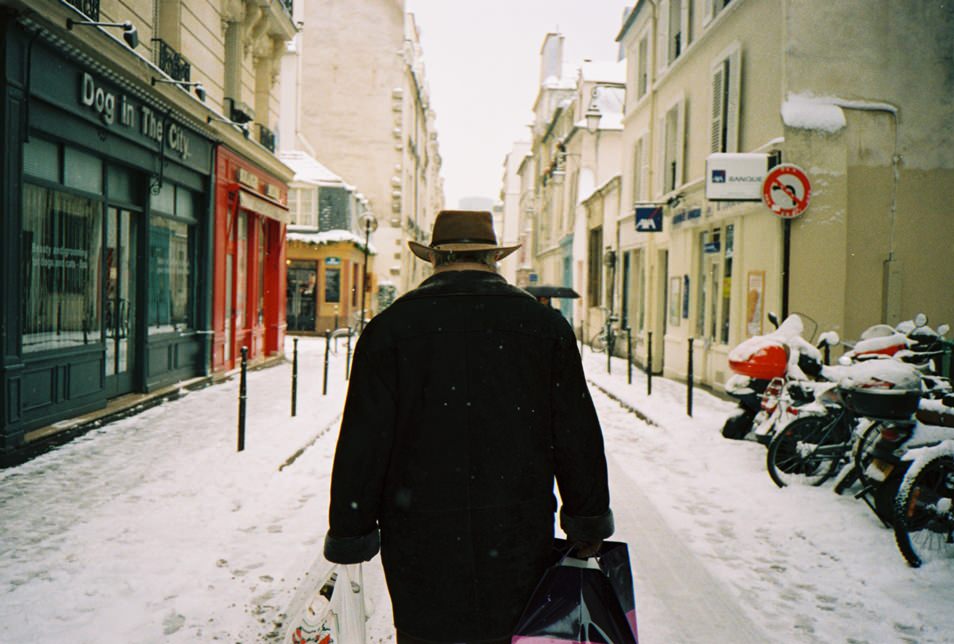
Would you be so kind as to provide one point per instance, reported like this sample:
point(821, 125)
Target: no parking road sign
point(786, 191)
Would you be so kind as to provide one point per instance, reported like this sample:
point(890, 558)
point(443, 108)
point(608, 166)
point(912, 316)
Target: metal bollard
point(294, 393)
point(649, 365)
point(242, 398)
point(581, 339)
point(689, 382)
point(629, 356)
point(827, 354)
point(324, 386)
point(348, 357)
point(608, 347)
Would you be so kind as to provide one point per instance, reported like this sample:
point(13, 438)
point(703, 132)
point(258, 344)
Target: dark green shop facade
point(105, 229)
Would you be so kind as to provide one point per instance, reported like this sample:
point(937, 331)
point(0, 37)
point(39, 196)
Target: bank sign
point(735, 176)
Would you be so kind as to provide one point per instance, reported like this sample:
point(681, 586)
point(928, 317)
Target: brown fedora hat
point(462, 230)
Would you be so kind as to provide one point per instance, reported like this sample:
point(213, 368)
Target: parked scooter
point(773, 374)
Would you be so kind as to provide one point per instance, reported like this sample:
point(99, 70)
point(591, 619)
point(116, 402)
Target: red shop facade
point(248, 308)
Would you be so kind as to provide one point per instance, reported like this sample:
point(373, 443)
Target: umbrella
point(552, 291)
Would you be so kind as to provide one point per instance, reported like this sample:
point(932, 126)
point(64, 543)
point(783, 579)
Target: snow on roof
point(309, 170)
point(604, 71)
point(328, 237)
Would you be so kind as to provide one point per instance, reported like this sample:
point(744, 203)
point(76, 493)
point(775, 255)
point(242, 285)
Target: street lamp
point(593, 115)
point(370, 225)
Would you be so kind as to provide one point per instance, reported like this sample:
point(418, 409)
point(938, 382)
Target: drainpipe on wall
point(891, 276)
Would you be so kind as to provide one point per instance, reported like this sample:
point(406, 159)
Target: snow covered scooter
point(772, 376)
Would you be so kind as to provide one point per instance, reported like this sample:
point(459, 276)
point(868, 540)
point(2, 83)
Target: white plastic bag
point(336, 614)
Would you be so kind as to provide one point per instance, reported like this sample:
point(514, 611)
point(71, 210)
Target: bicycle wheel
point(598, 343)
point(924, 512)
point(808, 450)
point(861, 455)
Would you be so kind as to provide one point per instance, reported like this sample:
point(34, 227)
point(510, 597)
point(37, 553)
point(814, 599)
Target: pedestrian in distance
point(467, 400)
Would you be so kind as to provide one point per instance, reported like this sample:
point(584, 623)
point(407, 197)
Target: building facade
point(109, 204)
point(711, 77)
point(365, 111)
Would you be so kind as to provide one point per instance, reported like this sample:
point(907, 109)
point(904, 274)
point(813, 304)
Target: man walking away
point(466, 401)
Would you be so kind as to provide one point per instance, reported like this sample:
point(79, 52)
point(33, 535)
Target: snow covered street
point(155, 529)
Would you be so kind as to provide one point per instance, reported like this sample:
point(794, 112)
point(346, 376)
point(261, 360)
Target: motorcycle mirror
point(773, 319)
point(943, 329)
point(829, 338)
point(920, 319)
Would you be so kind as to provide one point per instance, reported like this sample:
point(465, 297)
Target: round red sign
point(786, 190)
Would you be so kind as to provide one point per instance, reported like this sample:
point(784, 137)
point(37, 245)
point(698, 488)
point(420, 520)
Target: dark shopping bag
point(588, 601)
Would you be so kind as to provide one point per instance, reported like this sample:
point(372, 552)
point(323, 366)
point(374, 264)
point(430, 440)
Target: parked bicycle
point(606, 336)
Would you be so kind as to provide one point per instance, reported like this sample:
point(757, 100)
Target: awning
point(262, 206)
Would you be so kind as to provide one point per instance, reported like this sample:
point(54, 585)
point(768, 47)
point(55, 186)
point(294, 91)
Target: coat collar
point(464, 283)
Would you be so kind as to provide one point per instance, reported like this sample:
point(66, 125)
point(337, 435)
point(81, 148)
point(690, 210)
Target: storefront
point(325, 273)
point(105, 212)
point(249, 261)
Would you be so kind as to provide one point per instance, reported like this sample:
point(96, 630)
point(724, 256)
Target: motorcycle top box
point(888, 404)
point(765, 362)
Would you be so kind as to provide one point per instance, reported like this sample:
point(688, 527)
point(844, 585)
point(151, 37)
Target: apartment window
point(639, 169)
point(726, 76)
point(676, 42)
point(674, 146)
point(595, 266)
point(673, 31)
point(711, 9)
point(642, 66)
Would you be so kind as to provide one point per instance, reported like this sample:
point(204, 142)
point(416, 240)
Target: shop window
point(123, 185)
point(715, 271)
point(332, 284)
point(727, 282)
point(62, 252)
point(301, 292)
point(171, 249)
point(164, 200)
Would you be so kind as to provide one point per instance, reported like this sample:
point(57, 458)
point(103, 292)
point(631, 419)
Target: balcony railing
point(91, 8)
point(266, 137)
point(287, 6)
point(171, 62)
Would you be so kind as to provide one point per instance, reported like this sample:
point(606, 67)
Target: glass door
point(120, 301)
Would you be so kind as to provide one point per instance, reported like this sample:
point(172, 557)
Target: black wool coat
point(466, 401)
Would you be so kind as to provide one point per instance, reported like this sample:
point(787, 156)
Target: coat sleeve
point(361, 458)
point(578, 449)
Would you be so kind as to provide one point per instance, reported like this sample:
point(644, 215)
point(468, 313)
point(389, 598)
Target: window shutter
point(708, 10)
point(680, 155)
point(637, 168)
point(662, 36)
point(733, 78)
point(659, 181)
point(718, 96)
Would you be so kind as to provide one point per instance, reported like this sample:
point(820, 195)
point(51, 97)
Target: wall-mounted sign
point(247, 178)
point(735, 176)
point(113, 108)
point(332, 261)
point(711, 247)
point(786, 191)
point(272, 191)
point(649, 219)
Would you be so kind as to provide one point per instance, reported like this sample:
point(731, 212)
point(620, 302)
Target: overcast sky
point(482, 60)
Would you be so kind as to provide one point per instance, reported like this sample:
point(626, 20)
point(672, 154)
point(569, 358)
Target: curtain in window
point(62, 252)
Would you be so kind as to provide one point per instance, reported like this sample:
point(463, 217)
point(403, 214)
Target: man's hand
point(586, 549)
